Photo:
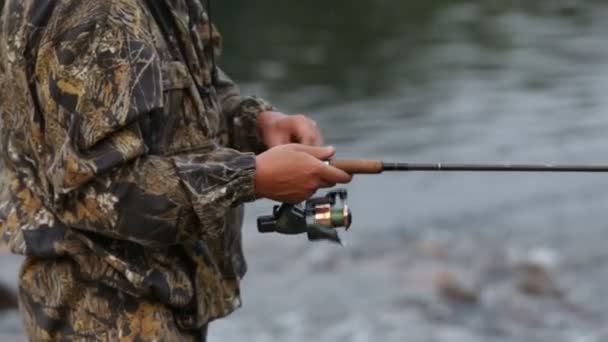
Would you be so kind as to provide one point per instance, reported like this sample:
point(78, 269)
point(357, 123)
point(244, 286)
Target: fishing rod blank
point(358, 166)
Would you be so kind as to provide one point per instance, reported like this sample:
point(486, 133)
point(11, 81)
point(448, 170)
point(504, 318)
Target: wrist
point(244, 128)
point(260, 176)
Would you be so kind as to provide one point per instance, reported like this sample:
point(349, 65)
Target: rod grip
point(358, 166)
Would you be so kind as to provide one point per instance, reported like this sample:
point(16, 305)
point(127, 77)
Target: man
point(127, 157)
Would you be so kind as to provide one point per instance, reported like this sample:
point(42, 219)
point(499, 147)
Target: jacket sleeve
point(241, 114)
point(94, 84)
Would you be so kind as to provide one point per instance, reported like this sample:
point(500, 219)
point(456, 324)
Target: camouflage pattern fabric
point(102, 313)
point(124, 168)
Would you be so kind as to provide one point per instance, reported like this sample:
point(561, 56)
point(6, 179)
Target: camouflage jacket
point(120, 152)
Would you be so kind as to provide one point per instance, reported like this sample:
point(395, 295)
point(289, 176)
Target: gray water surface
point(434, 81)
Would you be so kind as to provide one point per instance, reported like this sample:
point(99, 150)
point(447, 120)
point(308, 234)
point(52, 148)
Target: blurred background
point(431, 257)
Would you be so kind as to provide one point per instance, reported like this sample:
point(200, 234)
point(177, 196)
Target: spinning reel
point(318, 217)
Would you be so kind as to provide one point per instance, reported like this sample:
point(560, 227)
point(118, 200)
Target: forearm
point(158, 201)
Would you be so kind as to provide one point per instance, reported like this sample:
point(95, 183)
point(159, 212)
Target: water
point(434, 81)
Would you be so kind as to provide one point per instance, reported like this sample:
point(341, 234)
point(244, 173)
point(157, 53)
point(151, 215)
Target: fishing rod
point(320, 217)
point(357, 166)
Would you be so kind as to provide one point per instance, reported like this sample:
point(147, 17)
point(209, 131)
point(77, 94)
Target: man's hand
point(293, 173)
point(277, 128)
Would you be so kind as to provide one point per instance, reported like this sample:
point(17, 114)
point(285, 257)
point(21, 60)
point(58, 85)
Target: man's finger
point(308, 134)
point(325, 184)
point(316, 138)
point(333, 175)
point(311, 140)
point(321, 153)
point(273, 140)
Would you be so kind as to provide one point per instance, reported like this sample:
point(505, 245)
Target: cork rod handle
point(356, 166)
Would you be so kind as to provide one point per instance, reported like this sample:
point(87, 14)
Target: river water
point(434, 81)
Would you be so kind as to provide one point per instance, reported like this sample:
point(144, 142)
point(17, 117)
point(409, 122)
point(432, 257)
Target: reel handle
point(267, 224)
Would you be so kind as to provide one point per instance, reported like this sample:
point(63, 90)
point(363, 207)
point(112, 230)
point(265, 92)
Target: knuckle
point(301, 118)
point(309, 138)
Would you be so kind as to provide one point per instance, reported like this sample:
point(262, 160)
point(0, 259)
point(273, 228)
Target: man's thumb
point(322, 153)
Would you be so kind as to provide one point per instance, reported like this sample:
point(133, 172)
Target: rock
point(537, 281)
point(544, 257)
point(454, 289)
